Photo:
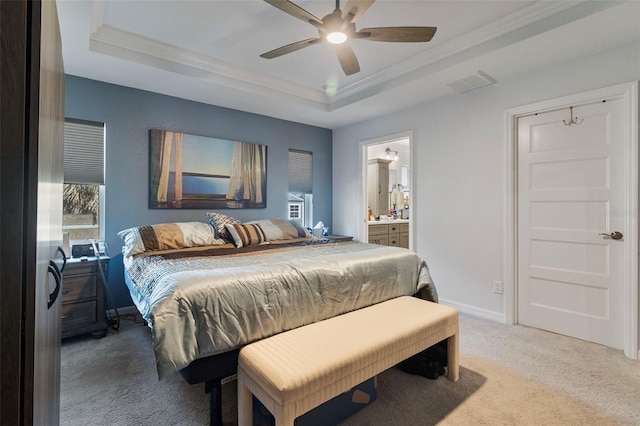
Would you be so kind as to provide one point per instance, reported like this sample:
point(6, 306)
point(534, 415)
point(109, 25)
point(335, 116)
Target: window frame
point(101, 185)
point(302, 187)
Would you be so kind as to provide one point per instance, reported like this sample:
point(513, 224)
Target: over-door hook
point(573, 120)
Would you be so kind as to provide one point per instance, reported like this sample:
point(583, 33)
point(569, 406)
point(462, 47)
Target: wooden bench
point(293, 372)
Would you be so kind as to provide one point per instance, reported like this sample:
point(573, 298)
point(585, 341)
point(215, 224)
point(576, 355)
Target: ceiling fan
point(340, 26)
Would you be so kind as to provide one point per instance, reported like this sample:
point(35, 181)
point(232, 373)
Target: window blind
point(83, 152)
point(300, 172)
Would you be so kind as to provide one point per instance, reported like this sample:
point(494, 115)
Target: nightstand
point(338, 238)
point(83, 297)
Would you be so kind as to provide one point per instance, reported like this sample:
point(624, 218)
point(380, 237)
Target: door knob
point(615, 235)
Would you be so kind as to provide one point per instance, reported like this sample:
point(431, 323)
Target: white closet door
point(571, 187)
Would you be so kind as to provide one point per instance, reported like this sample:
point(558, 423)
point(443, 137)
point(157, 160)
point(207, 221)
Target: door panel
point(13, 192)
point(560, 296)
point(46, 370)
point(569, 180)
point(569, 215)
point(31, 144)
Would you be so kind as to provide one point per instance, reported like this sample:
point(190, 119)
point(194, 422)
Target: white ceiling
point(208, 51)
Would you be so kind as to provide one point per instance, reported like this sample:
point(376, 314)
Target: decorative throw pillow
point(302, 231)
point(219, 222)
point(167, 236)
point(281, 229)
point(246, 234)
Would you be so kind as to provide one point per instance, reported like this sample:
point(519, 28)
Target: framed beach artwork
point(198, 172)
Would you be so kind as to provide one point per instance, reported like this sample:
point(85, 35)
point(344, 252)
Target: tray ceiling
point(208, 51)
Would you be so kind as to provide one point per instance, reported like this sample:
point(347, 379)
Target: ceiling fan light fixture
point(340, 26)
point(336, 37)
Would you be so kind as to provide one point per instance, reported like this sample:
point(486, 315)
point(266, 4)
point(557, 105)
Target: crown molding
point(114, 42)
point(97, 15)
point(509, 29)
point(121, 44)
point(521, 18)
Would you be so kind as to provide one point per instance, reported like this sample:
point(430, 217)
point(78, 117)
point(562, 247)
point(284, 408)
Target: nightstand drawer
point(77, 287)
point(78, 314)
point(86, 267)
point(83, 297)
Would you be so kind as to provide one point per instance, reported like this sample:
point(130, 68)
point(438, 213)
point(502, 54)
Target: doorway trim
point(364, 229)
point(628, 92)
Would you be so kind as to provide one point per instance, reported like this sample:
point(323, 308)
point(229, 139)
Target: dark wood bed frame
point(211, 371)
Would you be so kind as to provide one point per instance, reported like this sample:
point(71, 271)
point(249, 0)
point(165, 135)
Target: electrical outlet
point(497, 287)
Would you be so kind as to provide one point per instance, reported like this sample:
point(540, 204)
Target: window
point(300, 203)
point(83, 193)
point(294, 211)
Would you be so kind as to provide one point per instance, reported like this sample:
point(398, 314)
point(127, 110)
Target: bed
point(204, 301)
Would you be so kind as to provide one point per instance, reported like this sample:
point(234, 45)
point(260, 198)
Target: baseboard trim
point(475, 311)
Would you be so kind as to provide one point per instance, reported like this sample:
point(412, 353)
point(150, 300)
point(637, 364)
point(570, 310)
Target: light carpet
point(509, 375)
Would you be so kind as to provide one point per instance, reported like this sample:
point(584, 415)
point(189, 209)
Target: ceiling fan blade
point(295, 11)
point(355, 8)
point(397, 34)
point(290, 48)
point(348, 60)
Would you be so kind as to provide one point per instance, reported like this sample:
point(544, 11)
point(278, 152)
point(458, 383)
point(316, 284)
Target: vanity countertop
point(387, 221)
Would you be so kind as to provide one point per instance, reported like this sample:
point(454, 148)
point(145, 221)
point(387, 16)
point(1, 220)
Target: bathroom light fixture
point(390, 154)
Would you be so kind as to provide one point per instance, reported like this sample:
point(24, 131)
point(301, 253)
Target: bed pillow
point(302, 231)
point(219, 222)
point(281, 229)
point(247, 234)
point(167, 236)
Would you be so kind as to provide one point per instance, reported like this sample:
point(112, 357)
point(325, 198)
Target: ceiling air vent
point(473, 81)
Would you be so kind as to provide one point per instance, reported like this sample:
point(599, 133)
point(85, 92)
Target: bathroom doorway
point(387, 165)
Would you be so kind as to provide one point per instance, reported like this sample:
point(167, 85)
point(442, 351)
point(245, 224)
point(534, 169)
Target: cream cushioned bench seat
point(293, 372)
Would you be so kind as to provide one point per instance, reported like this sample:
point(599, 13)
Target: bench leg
point(285, 416)
point(245, 402)
point(453, 369)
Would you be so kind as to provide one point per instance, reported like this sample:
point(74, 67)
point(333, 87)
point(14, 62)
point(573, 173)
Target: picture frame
point(199, 172)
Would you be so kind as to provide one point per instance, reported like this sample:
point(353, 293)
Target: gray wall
point(128, 115)
point(459, 151)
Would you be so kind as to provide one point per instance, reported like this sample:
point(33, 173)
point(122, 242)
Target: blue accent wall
point(128, 115)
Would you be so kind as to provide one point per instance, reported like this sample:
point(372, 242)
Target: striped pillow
point(281, 229)
point(167, 236)
point(247, 234)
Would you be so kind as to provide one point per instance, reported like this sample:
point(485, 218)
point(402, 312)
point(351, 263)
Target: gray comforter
point(202, 305)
